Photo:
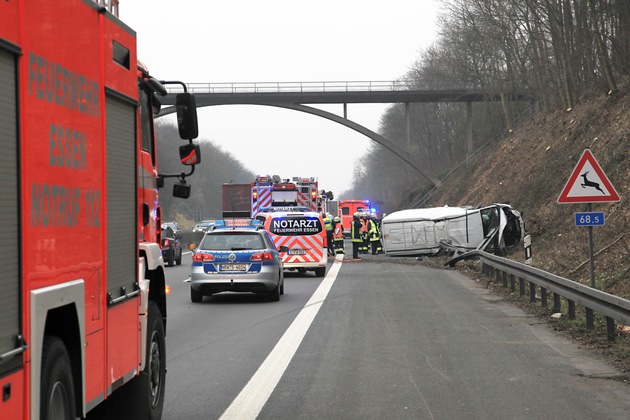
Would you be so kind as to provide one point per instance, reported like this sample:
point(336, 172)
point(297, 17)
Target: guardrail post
point(557, 307)
point(512, 283)
point(610, 328)
point(571, 309)
point(532, 292)
point(543, 297)
point(589, 318)
point(521, 286)
point(505, 277)
point(497, 274)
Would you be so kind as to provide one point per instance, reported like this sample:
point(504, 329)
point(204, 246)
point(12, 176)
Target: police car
point(237, 259)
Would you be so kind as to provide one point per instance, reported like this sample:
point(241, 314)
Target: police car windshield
point(232, 241)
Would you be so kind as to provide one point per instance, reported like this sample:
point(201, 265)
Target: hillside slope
point(529, 169)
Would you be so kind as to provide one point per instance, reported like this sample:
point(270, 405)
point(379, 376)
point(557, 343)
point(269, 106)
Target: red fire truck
point(347, 208)
point(83, 305)
point(273, 191)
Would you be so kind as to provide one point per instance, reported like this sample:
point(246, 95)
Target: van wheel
point(57, 400)
point(320, 272)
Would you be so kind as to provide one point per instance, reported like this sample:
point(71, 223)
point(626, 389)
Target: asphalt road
point(376, 339)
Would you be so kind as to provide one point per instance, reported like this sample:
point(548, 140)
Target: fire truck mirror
point(190, 154)
point(181, 190)
point(186, 116)
point(156, 86)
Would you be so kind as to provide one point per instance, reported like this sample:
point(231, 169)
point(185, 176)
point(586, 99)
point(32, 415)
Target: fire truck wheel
point(57, 389)
point(154, 374)
point(320, 272)
point(195, 296)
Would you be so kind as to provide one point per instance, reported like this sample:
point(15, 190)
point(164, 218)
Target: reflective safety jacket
point(328, 224)
point(338, 232)
point(373, 232)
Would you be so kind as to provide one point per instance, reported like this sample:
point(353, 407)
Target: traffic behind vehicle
point(204, 225)
point(173, 225)
point(237, 259)
point(171, 247)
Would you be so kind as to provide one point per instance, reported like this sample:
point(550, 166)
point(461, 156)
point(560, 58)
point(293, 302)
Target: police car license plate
point(297, 251)
point(233, 267)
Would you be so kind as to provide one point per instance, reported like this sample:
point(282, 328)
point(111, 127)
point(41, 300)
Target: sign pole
point(590, 249)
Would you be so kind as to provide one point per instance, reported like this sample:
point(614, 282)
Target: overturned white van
point(428, 231)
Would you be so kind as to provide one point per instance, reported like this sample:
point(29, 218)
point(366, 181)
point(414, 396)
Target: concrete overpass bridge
point(294, 95)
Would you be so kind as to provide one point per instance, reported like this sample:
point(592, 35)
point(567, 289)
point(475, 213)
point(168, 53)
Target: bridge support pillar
point(469, 128)
point(407, 127)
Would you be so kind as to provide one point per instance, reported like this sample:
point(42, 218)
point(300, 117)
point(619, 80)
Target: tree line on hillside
point(217, 167)
point(555, 50)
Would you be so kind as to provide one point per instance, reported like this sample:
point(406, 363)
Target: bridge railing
point(316, 87)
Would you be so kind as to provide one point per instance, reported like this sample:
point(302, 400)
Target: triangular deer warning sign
point(588, 183)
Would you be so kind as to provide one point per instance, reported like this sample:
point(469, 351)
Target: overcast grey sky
point(283, 41)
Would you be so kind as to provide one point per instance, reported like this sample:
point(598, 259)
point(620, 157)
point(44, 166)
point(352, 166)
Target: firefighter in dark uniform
point(328, 224)
point(355, 236)
point(338, 235)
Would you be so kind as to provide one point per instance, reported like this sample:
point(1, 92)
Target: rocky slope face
point(529, 169)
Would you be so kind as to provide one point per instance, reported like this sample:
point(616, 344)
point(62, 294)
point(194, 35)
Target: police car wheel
point(195, 296)
point(275, 293)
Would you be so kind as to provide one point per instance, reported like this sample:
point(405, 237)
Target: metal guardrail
point(614, 308)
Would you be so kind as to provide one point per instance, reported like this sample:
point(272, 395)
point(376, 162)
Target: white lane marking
point(254, 395)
